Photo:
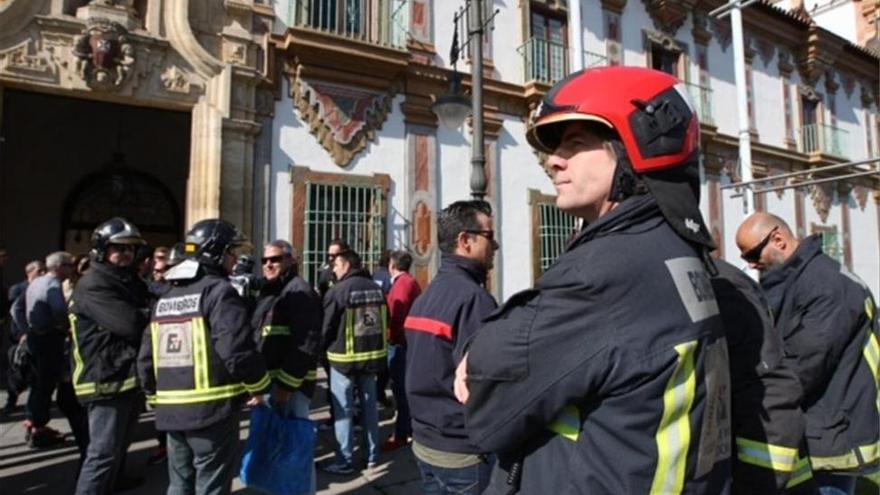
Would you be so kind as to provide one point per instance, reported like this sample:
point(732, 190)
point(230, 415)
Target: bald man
point(828, 322)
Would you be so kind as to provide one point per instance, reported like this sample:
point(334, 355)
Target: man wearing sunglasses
point(440, 321)
point(827, 319)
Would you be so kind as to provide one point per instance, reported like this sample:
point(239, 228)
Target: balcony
point(544, 61)
point(701, 97)
point(592, 60)
point(378, 22)
point(825, 139)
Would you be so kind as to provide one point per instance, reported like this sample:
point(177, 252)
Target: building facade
point(311, 119)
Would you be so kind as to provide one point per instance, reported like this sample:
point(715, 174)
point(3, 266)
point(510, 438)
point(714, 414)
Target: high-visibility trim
point(78, 365)
point(434, 327)
point(349, 331)
point(200, 354)
point(802, 472)
point(334, 357)
point(151, 400)
point(869, 308)
point(289, 380)
point(275, 330)
point(568, 423)
point(311, 375)
point(766, 455)
point(154, 337)
point(872, 357)
point(178, 397)
point(92, 388)
point(674, 432)
point(868, 453)
point(264, 382)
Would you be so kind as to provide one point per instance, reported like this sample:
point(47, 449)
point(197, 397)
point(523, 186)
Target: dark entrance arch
point(134, 195)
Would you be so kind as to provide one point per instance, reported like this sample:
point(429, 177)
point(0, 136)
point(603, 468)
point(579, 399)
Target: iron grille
point(554, 231)
point(352, 213)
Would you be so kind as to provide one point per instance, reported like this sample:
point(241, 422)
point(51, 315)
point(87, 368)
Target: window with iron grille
point(552, 228)
point(830, 242)
point(354, 213)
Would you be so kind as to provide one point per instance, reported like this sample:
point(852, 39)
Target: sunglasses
point(124, 247)
point(488, 234)
point(272, 259)
point(753, 255)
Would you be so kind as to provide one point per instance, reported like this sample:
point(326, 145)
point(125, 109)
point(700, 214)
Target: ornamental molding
point(105, 55)
point(669, 15)
point(822, 196)
point(344, 119)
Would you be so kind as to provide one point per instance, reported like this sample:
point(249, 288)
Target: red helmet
point(647, 108)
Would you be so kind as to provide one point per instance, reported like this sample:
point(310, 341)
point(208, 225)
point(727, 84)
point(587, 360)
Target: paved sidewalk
point(51, 471)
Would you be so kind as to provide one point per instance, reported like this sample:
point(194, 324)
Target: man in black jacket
point(439, 323)
point(827, 319)
point(355, 337)
point(108, 314)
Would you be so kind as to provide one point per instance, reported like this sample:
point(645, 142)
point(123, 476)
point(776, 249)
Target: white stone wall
point(837, 16)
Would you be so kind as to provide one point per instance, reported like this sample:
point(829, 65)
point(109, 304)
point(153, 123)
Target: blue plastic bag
point(280, 453)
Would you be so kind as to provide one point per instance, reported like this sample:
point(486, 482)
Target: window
point(786, 103)
point(830, 242)
point(546, 51)
point(869, 134)
point(355, 213)
point(665, 53)
point(664, 60)
point(750, 94)
point(552, 229)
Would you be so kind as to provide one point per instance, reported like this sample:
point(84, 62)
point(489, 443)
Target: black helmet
point(208, 240)
point(114, 231)
point(176, 254)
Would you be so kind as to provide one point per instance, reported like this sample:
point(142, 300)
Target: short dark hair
point(338, 241)
point(401, 260)
point(142, 253)
point(353, 259)
point(459, 217)
point(384, 258)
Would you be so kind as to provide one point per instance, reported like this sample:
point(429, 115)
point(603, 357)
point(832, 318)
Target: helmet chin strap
point(624, 182)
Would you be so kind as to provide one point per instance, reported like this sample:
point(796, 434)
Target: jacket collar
point(776, 281)
point(453, 263)
point(360, 272)
point(632, 211)
point(126, 274)
point(275, 286)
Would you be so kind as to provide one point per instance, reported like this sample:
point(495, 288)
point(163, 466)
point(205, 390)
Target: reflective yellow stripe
point(802, 472)
point(92, 388)
point(349, 332)
point(674, 433)
point(77, 357)
point(172, 397)
point(289, 380)
point(869, 308)
point(869, 453)
point(312, 375)
point(154, 337)
point(269, 330)
point(200, 354)
point(260, 385)
point(357, 356)
point(872, 357)
point(766, 455)
point(567, 423)
point(151, 400)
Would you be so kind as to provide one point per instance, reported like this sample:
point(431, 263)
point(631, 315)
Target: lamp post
point(451, 108)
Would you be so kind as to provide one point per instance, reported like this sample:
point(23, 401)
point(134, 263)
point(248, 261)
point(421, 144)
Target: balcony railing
point(381, 22)
point(592, 59)
point(701, 97)
point(824, 138)
point(545, 61)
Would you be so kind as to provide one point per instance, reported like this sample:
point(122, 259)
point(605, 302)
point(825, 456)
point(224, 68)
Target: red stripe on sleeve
point(427, 325)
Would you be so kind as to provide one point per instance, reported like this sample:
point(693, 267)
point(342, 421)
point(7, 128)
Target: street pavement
point(51, 471)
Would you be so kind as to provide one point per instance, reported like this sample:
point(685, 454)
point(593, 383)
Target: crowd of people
point(638, 363)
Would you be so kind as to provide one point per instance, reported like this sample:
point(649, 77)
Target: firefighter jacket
point(439, 324)
point(611, 375)
point(828, 322)
point(356, 325)
point(287, 325)
point(198, 358)
point(108, 313)
point(766, 418)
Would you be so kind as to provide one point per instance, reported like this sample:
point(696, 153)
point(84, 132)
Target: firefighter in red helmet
point(611, 375)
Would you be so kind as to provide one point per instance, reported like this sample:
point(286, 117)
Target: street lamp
point(451, 108)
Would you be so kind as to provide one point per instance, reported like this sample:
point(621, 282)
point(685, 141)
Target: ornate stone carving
point(809, 93)
point(343, 118)
point(702, 34)
point(105, 57)
point(421, 236)
point(175, 80)
point(669, 15)
point(773, 170)
point(786, 67)
point(24, 59)
point(822, 196)
point(831, 83)
point(721, 30)
point(867, 94)
point(234, 52)
point(766, 50)
point(664, 40)
point(861, 195)
point(849, 84)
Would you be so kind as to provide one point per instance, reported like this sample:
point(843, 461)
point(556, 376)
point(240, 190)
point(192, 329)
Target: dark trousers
point(76, 416)
point(397, 371)
point(111, 427)
point(201, 462)
point(470, 480)
point(47, 352)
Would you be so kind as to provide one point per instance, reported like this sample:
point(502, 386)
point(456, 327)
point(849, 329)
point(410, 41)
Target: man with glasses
point(108, 313)
point(326, 278)
point(440, 321)
point(827, 319)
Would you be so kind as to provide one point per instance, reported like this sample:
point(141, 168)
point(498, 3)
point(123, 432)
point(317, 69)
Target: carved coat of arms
point(104, 54)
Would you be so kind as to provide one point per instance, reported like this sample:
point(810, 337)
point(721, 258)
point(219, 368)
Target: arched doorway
point(118, 191)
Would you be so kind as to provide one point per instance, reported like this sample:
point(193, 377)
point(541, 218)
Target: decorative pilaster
point(421, 186)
